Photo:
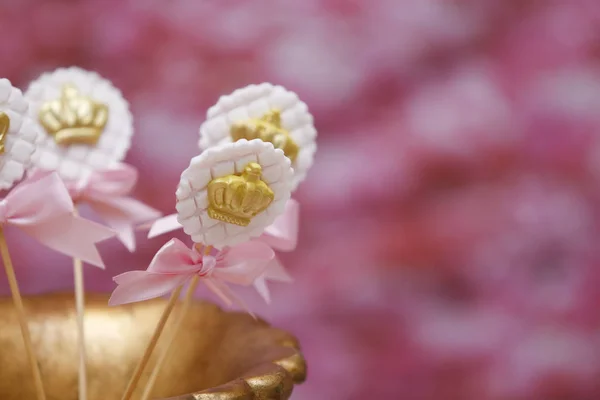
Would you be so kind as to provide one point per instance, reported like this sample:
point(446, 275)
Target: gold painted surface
point(219, 355)
point(4, 127)
point(268, 128)
point(236, 199)
point(73, 118)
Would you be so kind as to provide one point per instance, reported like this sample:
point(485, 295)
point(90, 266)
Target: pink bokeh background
point(450, 229)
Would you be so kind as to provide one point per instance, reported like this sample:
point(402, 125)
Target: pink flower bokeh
point(450, 224)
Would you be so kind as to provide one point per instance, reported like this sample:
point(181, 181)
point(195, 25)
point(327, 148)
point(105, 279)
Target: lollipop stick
point(80, 309)
point(171, 338)
point(137, 374)
point(16, 295)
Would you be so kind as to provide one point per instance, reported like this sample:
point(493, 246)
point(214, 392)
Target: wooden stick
point(80, 310)
point(137, 374)
point(16, 295)
point(171, 339)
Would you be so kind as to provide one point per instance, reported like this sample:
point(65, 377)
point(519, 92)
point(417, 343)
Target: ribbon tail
point(126, 236)
point(73, 236)
point(277, 272)
point(226, 294)
point(134, 286)
point(282, 234)
point(164, 225)
point(120, 215)
point(260, 284)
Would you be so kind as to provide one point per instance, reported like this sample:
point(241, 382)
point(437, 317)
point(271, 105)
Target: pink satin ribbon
point(41, 207)
point(106, 192)
point(275, 271)
point(161, 226)
point(175, 264)
point(282, 235)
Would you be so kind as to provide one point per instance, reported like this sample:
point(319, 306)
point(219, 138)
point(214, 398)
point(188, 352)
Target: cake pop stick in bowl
point(228, 195)
point(87, 129)
point(272, 114)
point(40, 207)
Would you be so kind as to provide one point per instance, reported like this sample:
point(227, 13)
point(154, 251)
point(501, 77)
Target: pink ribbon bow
point(42, 208)
point(282, 235)
point(175, 264)
point(106, 192)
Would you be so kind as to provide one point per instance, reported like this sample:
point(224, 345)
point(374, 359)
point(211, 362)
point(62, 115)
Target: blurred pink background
point(450, 225)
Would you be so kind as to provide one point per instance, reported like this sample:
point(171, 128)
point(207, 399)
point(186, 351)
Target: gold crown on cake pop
point(73, 118)
point(4, 126)
point(236, 199)
point(268, 129)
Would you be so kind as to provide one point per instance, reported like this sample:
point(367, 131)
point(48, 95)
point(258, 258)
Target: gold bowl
point(218, 356)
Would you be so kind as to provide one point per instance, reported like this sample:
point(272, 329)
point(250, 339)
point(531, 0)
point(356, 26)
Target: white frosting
point(253, 102)
point(226, 159)
point(74, 162)
point(22, 134)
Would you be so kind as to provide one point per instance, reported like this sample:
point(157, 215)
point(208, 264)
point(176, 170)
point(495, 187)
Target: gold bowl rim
point(262, 362)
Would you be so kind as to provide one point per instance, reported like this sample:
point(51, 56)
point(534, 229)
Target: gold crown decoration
point(268, 129)
point(73, 118)
point(236, 199)
point(4, 126)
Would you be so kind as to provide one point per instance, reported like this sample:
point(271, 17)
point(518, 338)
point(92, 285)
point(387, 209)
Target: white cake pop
point(268, 112)
point(232, 192)
point(18, 135)
point(85, 122)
